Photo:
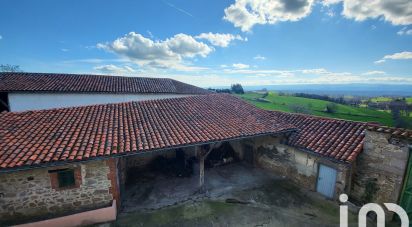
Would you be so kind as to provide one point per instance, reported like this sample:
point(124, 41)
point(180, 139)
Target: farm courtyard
point(236, 195)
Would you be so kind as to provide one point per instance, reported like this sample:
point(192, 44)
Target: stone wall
point(29, 194)
point(299, 166)
point(143, 160)
point(237, 146)
point(380, 169)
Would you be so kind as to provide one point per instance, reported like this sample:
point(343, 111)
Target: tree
point(237, 89)
point(399, 107)
point(9, 68)
point(331, 108)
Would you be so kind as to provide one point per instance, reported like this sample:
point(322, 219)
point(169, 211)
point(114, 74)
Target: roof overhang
point(139, 153)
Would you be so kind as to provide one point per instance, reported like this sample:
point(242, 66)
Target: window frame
point(66, 178)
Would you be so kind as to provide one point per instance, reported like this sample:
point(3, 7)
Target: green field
point(388, 99)
point(381, 99)
point(317, 108)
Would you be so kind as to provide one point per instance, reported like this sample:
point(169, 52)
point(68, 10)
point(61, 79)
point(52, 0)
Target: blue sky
point(211, 43)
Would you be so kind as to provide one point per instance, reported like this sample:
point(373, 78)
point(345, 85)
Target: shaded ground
point(237, 195)
point(153, 191)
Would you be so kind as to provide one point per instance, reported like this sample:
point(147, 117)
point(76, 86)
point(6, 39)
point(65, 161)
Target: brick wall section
point(29, 194)
point(113, 177)
point(299, 166)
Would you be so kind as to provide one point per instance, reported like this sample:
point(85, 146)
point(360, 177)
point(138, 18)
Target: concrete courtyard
point(236, 195)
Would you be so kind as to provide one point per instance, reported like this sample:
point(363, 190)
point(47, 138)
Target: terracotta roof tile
point(337, 139)
point(80, 133)
point(397, 132)
point(48, 82)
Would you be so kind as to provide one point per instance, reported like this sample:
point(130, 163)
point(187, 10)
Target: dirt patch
point(181, 215)
point(220, 213)
point(280, 193)
point(236, 195)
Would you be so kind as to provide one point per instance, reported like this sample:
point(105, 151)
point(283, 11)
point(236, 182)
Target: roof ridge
point(322, 117)
point(104, 104)
point(86, 74)
point(93, 83)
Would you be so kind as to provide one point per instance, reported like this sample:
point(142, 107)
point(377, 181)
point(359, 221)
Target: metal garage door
point(326, 181)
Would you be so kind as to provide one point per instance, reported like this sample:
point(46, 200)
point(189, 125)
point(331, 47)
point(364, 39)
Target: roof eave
point(136, 153)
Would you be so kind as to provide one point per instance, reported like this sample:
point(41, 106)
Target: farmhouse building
point(56, 162)
point(35, 91)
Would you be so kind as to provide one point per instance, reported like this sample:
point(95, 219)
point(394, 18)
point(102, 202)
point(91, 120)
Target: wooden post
point(202, 157)
point(202, 173)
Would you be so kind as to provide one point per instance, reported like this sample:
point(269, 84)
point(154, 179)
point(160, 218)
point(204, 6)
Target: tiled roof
point(396, 132)
point(80, 133)
point(337, 139)
point(48, 82)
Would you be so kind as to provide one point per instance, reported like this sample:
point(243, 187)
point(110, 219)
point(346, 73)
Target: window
point(66, 178)
point(63, 178)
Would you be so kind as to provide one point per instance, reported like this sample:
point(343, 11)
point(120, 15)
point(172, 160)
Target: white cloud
point(396, 56)
point(93, 61)
point(315, 71)
point(311, 76)
point(379, 61)
point(247, 13)
point(169, 53)
point(223, 66)
point(330, 2)
point(113, 69)
point(264, 77)
point(373, 73)
point(240, 66)
point(397, 12)
point(244, 14)
point(404, 31)
point(219, 39)
point(64, 50)
point(259, 57)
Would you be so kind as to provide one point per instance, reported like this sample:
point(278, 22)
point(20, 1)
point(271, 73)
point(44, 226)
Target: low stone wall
point(29, 194)
point(299, 166)
point(102, 215)
point(380, 169)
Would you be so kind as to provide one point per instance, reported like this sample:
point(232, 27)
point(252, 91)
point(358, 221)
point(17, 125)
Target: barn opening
point(159, 179)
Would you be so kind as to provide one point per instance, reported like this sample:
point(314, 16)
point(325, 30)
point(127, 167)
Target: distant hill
point(286, 103)
point(340, 89)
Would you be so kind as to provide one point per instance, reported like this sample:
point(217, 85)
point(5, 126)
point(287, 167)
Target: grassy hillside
point(317, 107)
point(388, 99)
point(381, 99)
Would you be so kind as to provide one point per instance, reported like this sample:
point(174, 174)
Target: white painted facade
point(39, 101)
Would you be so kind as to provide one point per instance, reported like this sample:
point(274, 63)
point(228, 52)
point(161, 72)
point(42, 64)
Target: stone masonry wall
point(380, 169)
point(142, 161)
point(299, 166)
point(29, 194)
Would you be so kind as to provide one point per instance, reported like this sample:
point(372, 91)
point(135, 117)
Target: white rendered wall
point(39, 101)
